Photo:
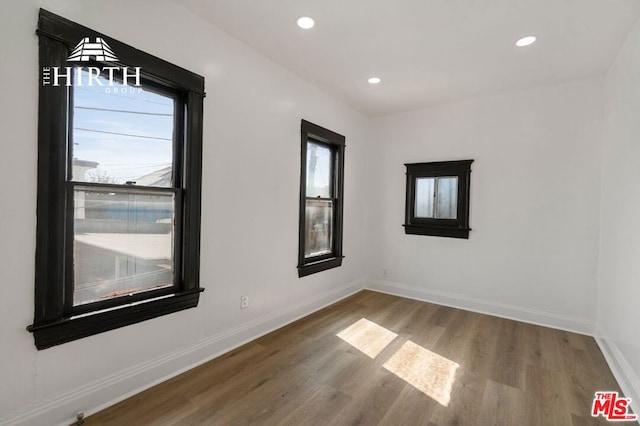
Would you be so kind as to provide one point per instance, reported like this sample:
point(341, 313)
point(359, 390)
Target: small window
point(437, 199)
point(321, 186)
point(119, 178)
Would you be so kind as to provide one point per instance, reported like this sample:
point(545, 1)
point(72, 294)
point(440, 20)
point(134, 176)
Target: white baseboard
point(627, 377)
point(518, 313)
point(62, 409)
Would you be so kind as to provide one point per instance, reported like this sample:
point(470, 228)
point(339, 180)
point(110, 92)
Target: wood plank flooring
point(445, 367)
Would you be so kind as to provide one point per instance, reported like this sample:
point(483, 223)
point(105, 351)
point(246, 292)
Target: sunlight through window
point(367, 336)
point(428, 372)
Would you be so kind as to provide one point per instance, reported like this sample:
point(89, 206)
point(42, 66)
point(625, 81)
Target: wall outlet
point(244, 302)
point(385, 273)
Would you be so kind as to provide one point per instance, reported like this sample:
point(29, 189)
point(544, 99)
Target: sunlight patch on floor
point(367, 336)
point(427, 371)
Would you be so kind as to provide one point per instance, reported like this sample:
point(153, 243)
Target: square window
point(437, 199)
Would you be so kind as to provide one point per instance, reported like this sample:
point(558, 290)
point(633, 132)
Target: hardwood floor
point(445, 367)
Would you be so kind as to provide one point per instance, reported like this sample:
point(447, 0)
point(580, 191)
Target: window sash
point(70, 307)
point(330, 252)
point(331, 173)
point(179, 123)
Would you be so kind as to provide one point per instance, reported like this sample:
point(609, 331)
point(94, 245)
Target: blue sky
point(142, 113)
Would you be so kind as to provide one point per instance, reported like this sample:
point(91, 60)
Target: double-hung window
point(437, 198)
point(321, 199)
point(119, 182)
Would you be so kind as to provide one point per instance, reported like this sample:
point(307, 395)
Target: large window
point(437, 199)
point(321, 201)
point(119, 182)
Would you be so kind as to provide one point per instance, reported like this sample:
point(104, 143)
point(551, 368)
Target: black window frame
point(312, 133)
point(56, 319)
point(438, 227)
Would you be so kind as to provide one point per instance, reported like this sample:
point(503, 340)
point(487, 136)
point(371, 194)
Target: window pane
point(121, 133)
point(318, 170)
point(318, 227)
point(123, 243)
point(424, 197)
point(447, 198)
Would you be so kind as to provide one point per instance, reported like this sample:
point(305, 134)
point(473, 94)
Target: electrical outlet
point(385, 273)
point(244, 302)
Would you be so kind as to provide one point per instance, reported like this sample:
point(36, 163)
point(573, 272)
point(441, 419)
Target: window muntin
point(321, 199)
point(437, 198)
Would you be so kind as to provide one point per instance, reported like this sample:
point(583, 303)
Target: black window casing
point(56, 320)
point(313, 133)
point(453, 228)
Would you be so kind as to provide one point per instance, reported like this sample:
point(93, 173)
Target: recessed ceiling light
point(374, 80)
point(305, 22)
point(526, 41)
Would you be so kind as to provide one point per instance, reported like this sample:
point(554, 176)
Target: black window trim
point(53, 323)
point(453, 228)
point(316, 134)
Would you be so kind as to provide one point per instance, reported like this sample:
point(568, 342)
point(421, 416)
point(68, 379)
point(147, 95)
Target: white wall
point(251, 135)
point(532, 253)
point(619, 282)
point(535, 208)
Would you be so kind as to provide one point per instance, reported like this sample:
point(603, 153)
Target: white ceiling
point(428, 51)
